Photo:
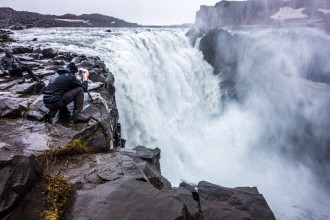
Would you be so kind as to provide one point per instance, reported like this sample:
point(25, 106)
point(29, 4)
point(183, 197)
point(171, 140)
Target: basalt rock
point(185, 196)
point(49, 53)
point(34, 88)
point(221, 49)
point(18, 174)
point(126, 199)
point(22, 123)
point(21, 50)
point(232, 203)
point(117, 184)
point(13, 107)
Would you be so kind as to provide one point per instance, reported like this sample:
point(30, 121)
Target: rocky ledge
point(82, 171)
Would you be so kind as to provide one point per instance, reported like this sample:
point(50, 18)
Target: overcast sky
point(138, 11)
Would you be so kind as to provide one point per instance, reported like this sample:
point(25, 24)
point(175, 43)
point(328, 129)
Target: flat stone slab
point(124, 199)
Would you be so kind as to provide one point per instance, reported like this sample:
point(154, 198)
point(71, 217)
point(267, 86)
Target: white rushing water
point(169, 98)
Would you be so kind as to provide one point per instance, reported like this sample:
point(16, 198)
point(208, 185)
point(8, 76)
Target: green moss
point(76, 146)
point(58, 191)
point(58, 188)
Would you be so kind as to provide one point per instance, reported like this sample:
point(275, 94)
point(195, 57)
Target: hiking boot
point(79, 117)
point(50, 115)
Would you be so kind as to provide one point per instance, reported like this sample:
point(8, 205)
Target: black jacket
point(61, 83)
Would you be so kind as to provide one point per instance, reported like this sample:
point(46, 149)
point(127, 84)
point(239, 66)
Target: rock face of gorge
point(255, 12)
point(10, 18)
point(222, 48)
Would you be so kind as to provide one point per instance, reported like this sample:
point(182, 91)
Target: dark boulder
point(34, 88)
point(77, 59)
point(97, 75)
point(87, 64)
point(16, 28)
point(21, 50)
point(218, 202)
point(18, 174)
point(98, 142)
point(185, 196)
point(13, 107)
point(49, 53)
point(150, 155)
point(149, 162)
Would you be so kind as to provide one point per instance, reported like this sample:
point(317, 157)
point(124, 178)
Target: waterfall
point(169, 98)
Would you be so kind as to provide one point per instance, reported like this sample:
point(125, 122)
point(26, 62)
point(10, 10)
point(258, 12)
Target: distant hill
point(10, 17)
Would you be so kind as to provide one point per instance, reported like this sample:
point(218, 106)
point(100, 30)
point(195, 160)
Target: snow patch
point(113, 22)
point(73, 20)
point(289, 13)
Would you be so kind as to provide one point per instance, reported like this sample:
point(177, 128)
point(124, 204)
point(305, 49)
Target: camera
point(81, 71)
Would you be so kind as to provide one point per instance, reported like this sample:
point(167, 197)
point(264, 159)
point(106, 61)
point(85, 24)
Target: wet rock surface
point(18, 174)
point(23, 133)
point(118, 185)
point(127, 199)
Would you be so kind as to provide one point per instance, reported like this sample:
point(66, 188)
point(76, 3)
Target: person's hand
point(85, 74)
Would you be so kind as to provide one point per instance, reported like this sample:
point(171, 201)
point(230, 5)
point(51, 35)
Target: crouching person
point(64, 88)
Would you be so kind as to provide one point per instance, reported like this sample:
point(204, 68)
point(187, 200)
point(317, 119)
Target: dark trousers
point(76, 95)
point(19, 72)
